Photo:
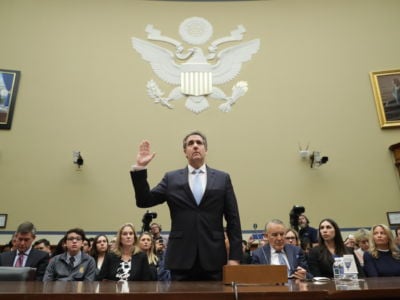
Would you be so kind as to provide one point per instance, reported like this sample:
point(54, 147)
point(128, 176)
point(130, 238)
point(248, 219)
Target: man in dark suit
point(277, 252)
point(25, 255)
point(196, 247)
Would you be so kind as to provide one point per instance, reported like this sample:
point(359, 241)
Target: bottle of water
point(338, 268)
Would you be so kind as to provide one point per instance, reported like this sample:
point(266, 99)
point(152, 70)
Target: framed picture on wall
point(393, 218)
point(3, 220)
point(8, 95)
point(386, 88)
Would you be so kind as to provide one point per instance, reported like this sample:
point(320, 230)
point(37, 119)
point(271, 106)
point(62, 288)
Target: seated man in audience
point(155, 230)
point(25, 255)
point(73, 264)
point(43, 245)
point(277, 252)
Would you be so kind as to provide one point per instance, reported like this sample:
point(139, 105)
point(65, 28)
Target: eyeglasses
point(71, 239)
point(290, 238)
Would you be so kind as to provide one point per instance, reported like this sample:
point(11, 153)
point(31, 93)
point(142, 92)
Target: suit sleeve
point(91, 270)
point(41, 266)
point(144, 196)
point(369, 265)
point(49, 274)
point(313, 262)
point(143, 271)
point(233, 226)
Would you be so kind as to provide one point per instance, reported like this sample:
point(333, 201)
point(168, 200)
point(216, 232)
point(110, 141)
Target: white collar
point(202, 169)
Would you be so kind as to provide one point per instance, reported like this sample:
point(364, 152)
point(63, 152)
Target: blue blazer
point(197, 231)
point(295, 256)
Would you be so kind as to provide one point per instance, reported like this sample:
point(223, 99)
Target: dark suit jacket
point(294, 254)
point(196, 230)
point(37, 259)
point(140, 269)
point(321, 261)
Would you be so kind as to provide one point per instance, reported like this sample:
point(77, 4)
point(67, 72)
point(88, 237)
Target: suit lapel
point(8, 260)
point(267, 254)
point(290, 257)
point(210, 183)
point(184, 178)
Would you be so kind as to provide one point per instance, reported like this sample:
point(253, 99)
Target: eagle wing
point(231, 59)
point(161, 60)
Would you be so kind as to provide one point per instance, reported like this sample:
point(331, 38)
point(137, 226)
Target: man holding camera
point(199, 198)
point(308, 235)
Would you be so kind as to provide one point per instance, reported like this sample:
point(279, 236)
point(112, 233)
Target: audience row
point(306, 251)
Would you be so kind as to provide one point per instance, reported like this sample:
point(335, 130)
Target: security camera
point(77, 158)
point(317, 160)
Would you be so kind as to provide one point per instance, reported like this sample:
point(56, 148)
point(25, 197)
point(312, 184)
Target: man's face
point(86, 246)
point(276, 236)
point(43, 247)
point(302, 221)
point(23, 241)
point(195, 150)
point(74, 243)
point(155, 229)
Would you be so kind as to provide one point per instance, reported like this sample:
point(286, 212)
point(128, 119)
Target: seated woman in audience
point(146, 245)
point(383, 257)
point(361, 238)
point(330, 245)
point(292, 237)
point(99, 251)
point(126, 262)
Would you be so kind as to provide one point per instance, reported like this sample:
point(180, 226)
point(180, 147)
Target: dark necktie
point(71, 262)
point(20, 260)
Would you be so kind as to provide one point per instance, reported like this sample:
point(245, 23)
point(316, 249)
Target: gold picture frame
point(386, 88)
point(9, 80)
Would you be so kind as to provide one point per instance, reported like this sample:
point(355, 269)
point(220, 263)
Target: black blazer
point(321, 264)
point(196, 230)
point(36, 259)
point(140, 269)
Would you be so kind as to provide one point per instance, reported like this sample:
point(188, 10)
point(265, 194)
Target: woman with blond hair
point(361, 238)
point(146, 244)
point(292, 237)
point(383, 257)
point(126, 262)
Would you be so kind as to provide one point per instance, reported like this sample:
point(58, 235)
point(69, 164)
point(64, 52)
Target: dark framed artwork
point(3, 220)
point(9, 80)
point(386, 88)
point(393, 217)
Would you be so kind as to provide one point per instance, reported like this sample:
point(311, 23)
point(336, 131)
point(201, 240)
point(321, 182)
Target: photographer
point(308, 235)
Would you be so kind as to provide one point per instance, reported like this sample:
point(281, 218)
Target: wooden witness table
point(370, 288)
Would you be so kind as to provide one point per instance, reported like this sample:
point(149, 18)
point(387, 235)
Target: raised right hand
point(144, 156)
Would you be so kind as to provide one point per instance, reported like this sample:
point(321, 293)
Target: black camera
point(146, 220)
point(294, 216)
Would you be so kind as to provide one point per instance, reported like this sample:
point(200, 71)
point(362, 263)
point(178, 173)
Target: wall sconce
point(395, 148)
point(77, 158)
point(316, 160)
